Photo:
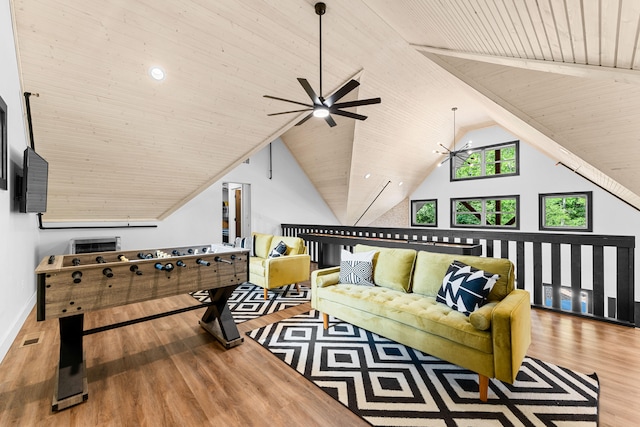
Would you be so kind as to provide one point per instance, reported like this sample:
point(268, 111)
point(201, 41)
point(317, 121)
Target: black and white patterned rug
point(247, 301)
point(389, 384)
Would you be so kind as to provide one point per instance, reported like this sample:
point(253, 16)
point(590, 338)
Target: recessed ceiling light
point(400, 184)
point(157, 73)
point(367, 176)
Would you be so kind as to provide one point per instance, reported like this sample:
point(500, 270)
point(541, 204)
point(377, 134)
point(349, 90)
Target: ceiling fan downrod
point(321, 8)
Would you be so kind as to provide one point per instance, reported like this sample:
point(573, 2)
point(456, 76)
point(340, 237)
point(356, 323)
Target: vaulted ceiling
point(564, 75)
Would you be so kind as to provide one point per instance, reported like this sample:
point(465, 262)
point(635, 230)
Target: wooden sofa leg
point(325, 320)
point(483, 381)
point(265, 293)
point(297, 287)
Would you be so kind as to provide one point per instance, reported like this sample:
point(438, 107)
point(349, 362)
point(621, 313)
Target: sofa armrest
point(287, 269)
point(325, 277)
point(511, 334)
point(322, 278)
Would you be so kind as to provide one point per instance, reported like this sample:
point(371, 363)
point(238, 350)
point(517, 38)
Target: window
point(486, 162)
point(486, 212)
point(424, 213)
point(566, 211)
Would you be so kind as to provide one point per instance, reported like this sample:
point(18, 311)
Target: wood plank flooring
point(170, 372)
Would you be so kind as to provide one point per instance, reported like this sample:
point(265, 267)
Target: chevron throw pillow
point(465, 288)
point(279, 250)
point(357, 269)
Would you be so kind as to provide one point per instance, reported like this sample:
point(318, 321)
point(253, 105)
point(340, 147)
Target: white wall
point(538, 174)
point(18, 232)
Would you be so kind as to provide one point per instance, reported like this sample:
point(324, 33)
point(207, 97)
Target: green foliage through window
point(493, 160)
point(424, 213)
point(566, 211)
point(490, 212)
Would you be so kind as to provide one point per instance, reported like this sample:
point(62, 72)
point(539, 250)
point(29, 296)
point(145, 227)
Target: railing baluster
point(576, 278)
point(556, 275)
point(520, 265)
point(504, 249)
point(624, 293)
point(598, 281)
point(538, 290)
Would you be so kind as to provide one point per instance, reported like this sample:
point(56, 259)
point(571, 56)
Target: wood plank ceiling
point(560, 74)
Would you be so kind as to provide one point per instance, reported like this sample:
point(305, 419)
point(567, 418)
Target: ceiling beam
point(619, 75)
point(524, 126)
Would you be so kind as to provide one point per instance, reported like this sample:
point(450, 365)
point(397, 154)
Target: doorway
point(236, 211)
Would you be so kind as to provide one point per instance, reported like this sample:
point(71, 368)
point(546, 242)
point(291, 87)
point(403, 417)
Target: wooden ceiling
point(562, 75)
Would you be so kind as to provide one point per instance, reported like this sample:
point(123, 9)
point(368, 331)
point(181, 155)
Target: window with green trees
point(490, 161)
point(486, 212)
point(424, 213)
point(566, 211)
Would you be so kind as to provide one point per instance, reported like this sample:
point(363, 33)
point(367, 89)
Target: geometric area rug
point(247, 300)
point(389, 384)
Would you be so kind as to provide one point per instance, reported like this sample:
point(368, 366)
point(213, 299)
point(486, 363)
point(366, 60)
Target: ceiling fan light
point(320, 112)
point(157, 73)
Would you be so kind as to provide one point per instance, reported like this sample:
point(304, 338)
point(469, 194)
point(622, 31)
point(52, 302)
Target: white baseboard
point(8, 339)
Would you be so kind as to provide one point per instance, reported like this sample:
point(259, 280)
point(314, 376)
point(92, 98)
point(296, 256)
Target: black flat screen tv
point(35, 176)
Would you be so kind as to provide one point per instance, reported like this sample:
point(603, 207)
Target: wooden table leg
point(218, 320)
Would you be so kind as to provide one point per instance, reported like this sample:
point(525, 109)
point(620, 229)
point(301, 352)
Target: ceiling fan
point(325, 107)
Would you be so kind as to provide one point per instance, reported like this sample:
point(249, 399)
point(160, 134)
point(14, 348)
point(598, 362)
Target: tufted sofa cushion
point(410, 309)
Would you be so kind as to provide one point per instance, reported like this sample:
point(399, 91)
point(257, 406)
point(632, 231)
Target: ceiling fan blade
point(307, 117)
point(348, 87)
point(287, 100)
point(349, 114)
point(330, 121)
point(357, 103)
point(312, 94)
point(287, 112)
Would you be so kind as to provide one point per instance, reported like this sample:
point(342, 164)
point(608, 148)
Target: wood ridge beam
point(620, 75)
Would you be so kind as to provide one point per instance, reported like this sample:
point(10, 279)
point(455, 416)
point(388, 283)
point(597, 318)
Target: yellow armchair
point(269, 273)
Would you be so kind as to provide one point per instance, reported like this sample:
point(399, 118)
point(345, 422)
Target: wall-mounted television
point(35, 176)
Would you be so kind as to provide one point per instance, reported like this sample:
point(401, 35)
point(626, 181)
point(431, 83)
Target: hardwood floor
point(170, 372)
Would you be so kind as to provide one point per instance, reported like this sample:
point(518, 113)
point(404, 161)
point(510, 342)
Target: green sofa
point(270, 273)
point(492, 341)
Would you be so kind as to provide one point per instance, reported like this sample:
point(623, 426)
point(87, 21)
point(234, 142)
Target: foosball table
point(71, 285)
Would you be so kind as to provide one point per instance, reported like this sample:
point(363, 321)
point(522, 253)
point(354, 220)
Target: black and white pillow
point(279, 250)
point(465, 288)
point(246, 243)
point(357, 269)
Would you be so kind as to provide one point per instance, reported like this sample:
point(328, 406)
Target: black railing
point(586, 275)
